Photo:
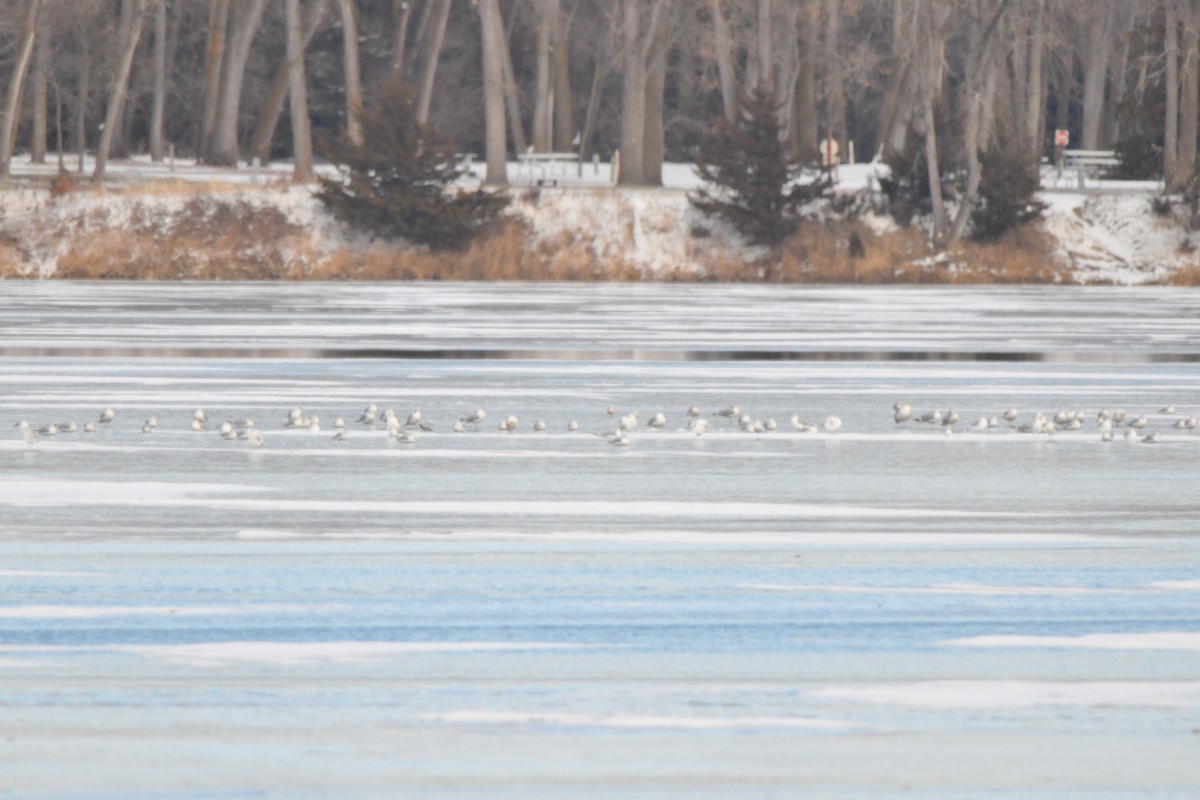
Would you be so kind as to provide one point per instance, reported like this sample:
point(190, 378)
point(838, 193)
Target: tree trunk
point(85, 81)
point(512, 99)
point(401, 13)
point(1095, 74)
point(765, 62)
point(598, 71)
point(564, 104)
point(120, 84)
point(652, 138)
point(157, 111)
point(641, 40)
point(835, 85)
point(1111, 130)
point(547, 19)
point(1189, 103)
point(493, 92)
point(902, 103)
point(264, 133)
point(353, 80)
point(298, 95)
point(930, 88)
point(1035, 100)
point(41, 104)
point(218, 25)
point(432, 55)
point(15, 81)
point(725, 63)
point(1171, 124)
point(804, 106)
point(633, 99)
point(1062, 92)
point(223, 149)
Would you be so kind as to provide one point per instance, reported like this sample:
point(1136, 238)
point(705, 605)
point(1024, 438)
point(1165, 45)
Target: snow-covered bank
point(198, 222)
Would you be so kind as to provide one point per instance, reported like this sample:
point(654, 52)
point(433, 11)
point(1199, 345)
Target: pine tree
point(1007, 196)
point(400, 181)
point(757, 186)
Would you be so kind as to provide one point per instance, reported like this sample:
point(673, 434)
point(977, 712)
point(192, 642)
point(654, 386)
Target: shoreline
point(209, 226)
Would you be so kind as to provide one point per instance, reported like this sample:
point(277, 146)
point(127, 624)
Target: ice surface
point(1020, 694)
point(543, 615)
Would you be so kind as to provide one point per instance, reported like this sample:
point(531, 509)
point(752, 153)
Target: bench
point(547, 169)
point(1090, 163)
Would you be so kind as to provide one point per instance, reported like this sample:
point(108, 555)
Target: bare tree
point(260, 145)
point(1189, 92)
point(223, 146)
point(160, 81)
point(15, 83)
point(401, 13)
point(564, 106)
point(116, 101)
point(1095, 70)
point(512, 98)
point(725, 63)
point(218, 24)
point(640, 39)
point(40, 77)
point(1171, 126)
point(543, 97)
point(298, 96)
point(352, 77)
point(492, 33)
point(433, 54)
point(803, 110)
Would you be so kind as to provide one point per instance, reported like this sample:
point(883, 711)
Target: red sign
point(1062, 138)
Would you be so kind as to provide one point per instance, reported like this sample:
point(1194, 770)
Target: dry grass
point(218, 237)
point(208, 240)
point(849, 252)
point(1187, 276)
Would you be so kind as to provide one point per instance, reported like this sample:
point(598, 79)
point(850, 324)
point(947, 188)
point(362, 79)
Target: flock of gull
point(1107, 422)
point(623, 426)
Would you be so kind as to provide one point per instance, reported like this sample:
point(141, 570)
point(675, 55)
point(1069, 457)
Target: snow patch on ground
point(1115, 238)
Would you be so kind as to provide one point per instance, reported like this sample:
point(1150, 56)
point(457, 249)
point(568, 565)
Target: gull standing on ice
point(478, 416)
point(89, 427)
point(832, 424)
point(903, 412)
point(658, 421)
point(107, 415)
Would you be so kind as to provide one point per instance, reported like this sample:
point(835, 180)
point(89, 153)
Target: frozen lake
point(880, 612)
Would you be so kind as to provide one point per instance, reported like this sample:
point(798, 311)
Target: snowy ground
point(1106, 230)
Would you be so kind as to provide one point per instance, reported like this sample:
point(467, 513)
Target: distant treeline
point(948, 79)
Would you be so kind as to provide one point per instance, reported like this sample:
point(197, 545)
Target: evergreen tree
point(400, 181)
point(755, 184)
point(1007, 196)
